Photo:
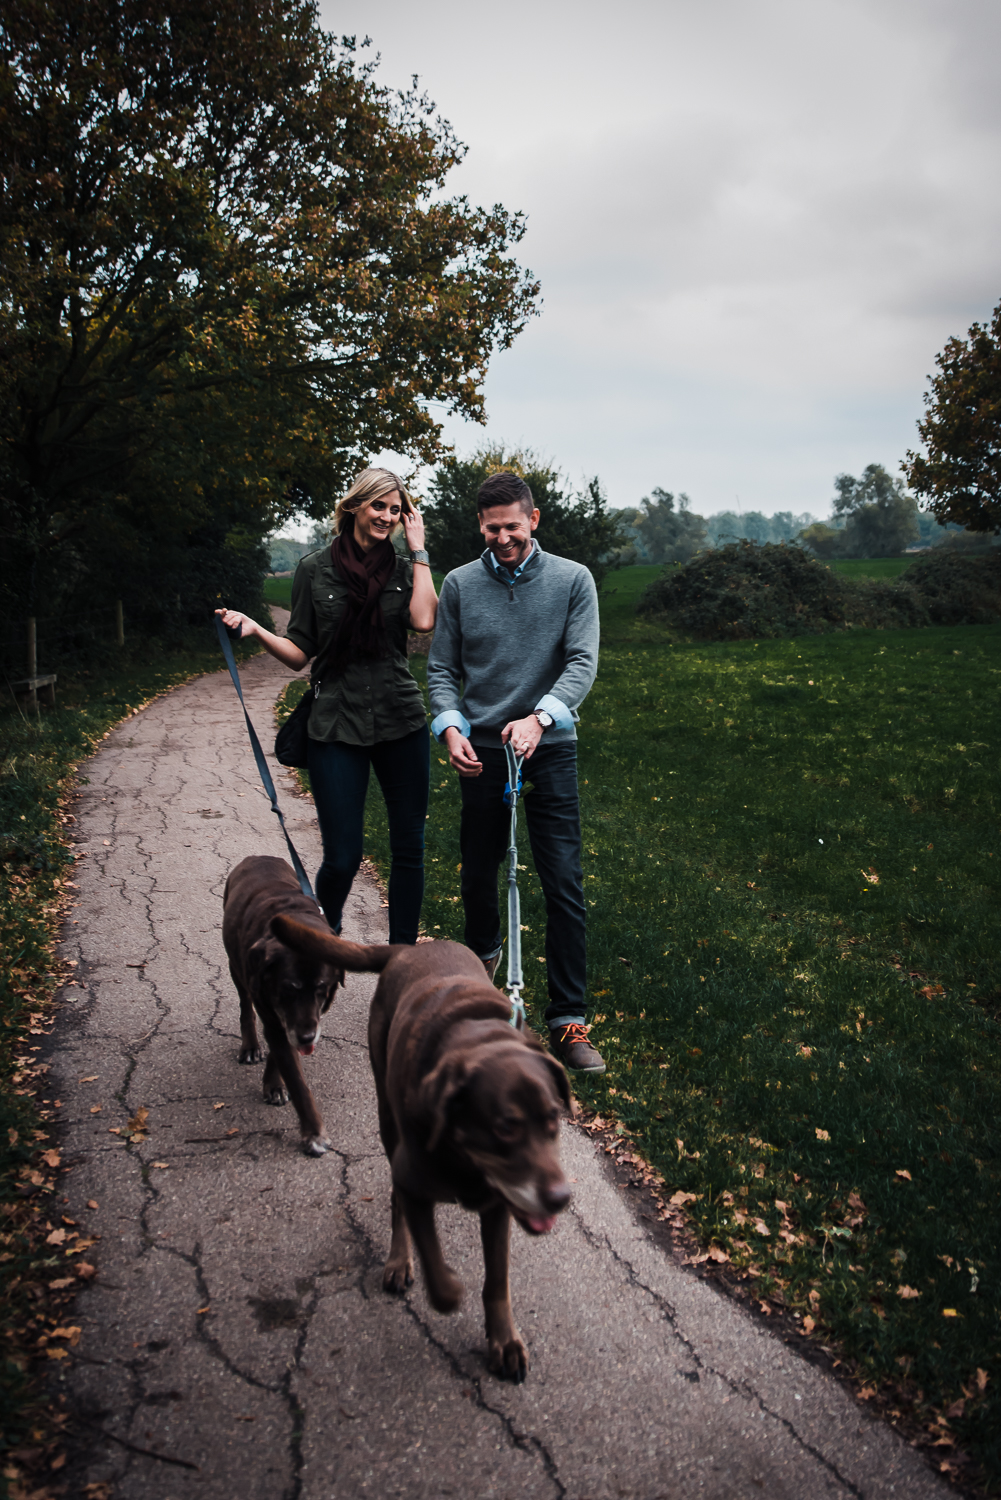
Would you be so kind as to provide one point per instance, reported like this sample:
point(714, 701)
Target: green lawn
point(792, 854)
point(872, 567)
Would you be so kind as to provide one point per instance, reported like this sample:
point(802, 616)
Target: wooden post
point(33, 659)
point(119, 623)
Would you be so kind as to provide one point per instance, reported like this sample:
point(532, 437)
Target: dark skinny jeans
point(552, 811)
point(339, 777)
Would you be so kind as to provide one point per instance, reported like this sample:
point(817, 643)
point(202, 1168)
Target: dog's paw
point(251, 1055)
point(275, 1094)
point(315, 1145)
point(397, 1276)
point(447, 1292)
point(509, 1361)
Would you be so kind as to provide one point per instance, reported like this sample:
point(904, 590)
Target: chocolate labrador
point(469, 1112)
point(290, 984)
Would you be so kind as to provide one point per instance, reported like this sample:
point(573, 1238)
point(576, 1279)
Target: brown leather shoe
point(490, 964)
point(571, 1046)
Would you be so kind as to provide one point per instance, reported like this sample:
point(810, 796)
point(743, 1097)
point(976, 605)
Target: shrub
point(745, 591)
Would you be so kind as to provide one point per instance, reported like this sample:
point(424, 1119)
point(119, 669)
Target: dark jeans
point(339, 777)
point(552, 813)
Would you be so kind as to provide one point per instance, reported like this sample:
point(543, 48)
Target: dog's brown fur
point(289, 984)
point(468, 1112)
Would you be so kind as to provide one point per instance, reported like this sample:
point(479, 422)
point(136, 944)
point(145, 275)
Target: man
point(515, 652)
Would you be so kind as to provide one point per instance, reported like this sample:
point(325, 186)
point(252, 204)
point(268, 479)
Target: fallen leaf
point(679, 1199)
point(759, 1170)
point(235, 1131)
point(114, 1130)
point(907, 1292)
point(61, 1283)
point(808, 1324)
point(71, 1334)
point(95, 1109)
point(718, 1254)
point(903, 1172)
point(12, 1136)
point(163, 1165)
point(949, 1312)
point(51, 1158)
point(219, 1106)
point(762, 1228)
point(92, 1203)
point(57, 1354)
point(138, 1120)
point(805, 1051)
point(86, 1270)
point(203, 1309)
point(956, 1409)
point(58, 1462)
point(822, 1135)
point(57, 1237)
point(91, 1078)
point(982, 1379)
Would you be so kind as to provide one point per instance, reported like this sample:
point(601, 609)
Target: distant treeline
point(872, 516)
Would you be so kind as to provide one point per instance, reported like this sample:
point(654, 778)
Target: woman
point(352, 605)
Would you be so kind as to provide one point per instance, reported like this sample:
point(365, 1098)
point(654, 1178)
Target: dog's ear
point(264, 954)
point(440, 1091)
point(559, 1073)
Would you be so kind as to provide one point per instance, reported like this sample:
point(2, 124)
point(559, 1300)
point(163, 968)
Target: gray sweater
point(503, 648)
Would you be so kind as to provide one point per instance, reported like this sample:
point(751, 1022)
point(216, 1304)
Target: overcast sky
point(755, 222)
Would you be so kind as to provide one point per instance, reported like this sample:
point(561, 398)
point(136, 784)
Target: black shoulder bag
point(292, 739)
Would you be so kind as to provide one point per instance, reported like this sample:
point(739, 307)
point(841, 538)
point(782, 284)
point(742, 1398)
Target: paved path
point(237, 1326)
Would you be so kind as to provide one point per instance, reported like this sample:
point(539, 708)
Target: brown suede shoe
point(490, 964)
point(571, 1046)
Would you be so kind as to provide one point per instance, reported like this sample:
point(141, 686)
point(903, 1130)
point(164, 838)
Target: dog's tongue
point(542, 1225)
point(305, 1051)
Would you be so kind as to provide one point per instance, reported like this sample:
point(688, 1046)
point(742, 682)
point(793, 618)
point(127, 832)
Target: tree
point(578, 526)
point(228, 272)
point(961, 474)
point(881, 518)
point(667, 535)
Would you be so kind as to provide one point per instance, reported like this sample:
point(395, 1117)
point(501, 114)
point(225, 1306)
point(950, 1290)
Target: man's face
point(507, 531)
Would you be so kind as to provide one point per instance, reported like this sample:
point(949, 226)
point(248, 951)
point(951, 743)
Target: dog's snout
point(307, 1036)
point(556, 1196)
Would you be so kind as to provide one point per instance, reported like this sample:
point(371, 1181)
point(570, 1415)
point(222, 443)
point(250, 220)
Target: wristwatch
point(420, 557)
point(546, 720)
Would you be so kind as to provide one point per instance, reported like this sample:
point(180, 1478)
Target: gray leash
point(515, 978)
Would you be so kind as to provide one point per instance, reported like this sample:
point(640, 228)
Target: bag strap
point(262, 765)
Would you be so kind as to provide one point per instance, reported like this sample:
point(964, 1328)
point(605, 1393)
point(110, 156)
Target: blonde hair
point(370, 484)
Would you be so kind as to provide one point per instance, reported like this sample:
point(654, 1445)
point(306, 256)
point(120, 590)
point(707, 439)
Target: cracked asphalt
point(236, 1341)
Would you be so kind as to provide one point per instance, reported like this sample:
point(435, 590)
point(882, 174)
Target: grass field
point(872, 567)
point(792, 853)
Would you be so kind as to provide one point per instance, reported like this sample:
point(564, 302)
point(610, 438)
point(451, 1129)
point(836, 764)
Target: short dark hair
point(504, 488)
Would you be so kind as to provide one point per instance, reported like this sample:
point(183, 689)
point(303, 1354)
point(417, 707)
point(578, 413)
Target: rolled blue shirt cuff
point(562, 717)
point(452, 719)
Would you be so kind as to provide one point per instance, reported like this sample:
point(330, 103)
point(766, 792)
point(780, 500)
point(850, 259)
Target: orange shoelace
point(575, 1032)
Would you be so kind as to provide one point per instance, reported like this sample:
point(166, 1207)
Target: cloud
point(755, 224)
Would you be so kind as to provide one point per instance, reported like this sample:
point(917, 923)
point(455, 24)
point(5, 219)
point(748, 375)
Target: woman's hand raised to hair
point(413, 527)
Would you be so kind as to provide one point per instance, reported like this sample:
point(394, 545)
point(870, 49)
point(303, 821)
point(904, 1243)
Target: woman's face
point(376, 518)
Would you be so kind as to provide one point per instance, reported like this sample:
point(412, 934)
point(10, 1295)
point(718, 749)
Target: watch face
point(544, 719)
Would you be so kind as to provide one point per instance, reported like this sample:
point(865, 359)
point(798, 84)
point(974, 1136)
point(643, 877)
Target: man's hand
point(461, 754)
point(524, 735)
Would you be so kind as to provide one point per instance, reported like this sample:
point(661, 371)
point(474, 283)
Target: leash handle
point(262, 765)
point(515, 978)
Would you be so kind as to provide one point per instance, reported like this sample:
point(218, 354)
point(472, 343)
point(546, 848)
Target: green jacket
point(371, 701)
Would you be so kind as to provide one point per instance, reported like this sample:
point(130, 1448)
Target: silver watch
point(546, 720)
point(420, 557)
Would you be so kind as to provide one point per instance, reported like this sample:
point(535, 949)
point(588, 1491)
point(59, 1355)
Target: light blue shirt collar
point(500, 568)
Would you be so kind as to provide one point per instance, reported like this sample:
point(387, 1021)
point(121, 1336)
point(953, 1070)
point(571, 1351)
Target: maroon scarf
point(362, 631)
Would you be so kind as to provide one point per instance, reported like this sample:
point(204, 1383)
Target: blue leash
point(262, 765)
point(515, 978)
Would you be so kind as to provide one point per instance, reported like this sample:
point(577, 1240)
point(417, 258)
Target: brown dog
point(469, 1112)
point(289, 984)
